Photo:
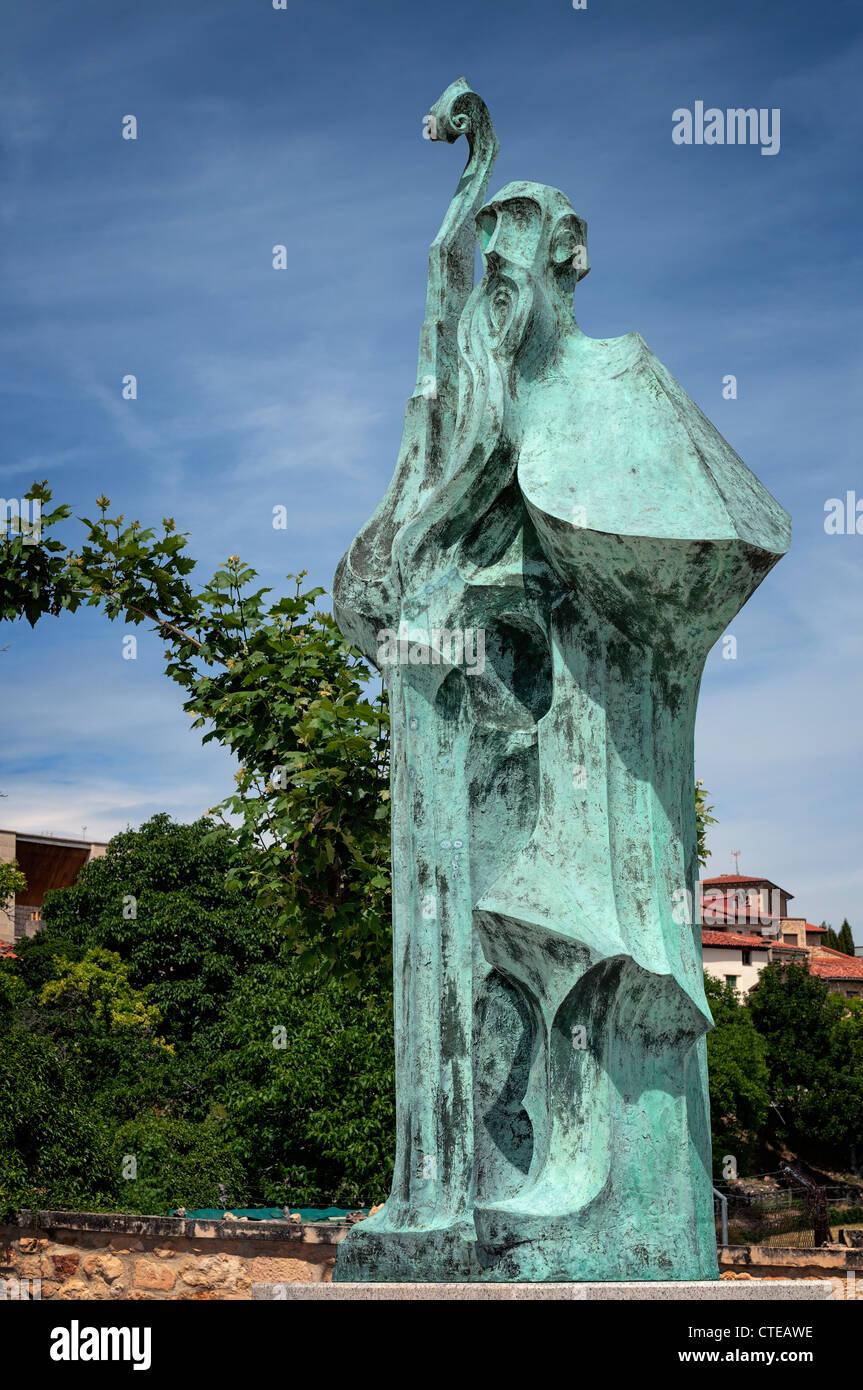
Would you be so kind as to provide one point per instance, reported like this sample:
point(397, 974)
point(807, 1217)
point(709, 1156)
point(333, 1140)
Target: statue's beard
point(500, 337)
point(497, 325)
point(503, 332)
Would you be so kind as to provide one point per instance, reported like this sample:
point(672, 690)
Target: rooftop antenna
point(83, 832)
point(735, 855)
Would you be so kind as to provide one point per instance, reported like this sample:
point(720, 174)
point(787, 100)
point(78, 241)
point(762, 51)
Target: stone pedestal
point(659, 1291)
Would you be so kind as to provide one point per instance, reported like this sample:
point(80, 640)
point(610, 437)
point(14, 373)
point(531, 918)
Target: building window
point(731, 980)
point(747, 957)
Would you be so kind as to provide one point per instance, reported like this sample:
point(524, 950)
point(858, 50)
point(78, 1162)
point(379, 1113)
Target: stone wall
point(841, 1264)
point(84, 1255)
point(94, 1255)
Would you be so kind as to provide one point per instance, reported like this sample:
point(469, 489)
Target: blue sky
point(258, 387)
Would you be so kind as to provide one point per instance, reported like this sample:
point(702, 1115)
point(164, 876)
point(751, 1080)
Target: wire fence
point(798, 1213)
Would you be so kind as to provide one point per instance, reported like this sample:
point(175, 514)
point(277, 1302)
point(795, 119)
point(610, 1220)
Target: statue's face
point(528, 236)
point(533, 228)
point(510, 233)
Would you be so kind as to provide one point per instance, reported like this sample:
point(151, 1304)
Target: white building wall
point(722, 961)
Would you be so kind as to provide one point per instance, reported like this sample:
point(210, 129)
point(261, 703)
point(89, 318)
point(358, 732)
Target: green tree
point(162, 898)
point(105, 1029)
point(156, 983)
point(739, 1078)
point(703, 818)
point(276, 684)
point(830, 938)
point(54, 1146)
point(177, 1163)
point(12, 881)
point(35, 579)
point(838, 1121)
point(846, 938)
point(95, 990)
point(798, 1018)
point(77, 1043)
point(307, 1081)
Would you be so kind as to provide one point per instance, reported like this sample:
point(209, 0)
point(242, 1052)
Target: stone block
point(149, 1275)
point(100, 1265)
point(65, 1263)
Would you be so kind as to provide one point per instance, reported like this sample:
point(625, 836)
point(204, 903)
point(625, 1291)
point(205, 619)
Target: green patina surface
point(561, 499)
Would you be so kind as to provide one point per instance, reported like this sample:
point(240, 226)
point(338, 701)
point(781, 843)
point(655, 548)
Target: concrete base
point(701, 1291)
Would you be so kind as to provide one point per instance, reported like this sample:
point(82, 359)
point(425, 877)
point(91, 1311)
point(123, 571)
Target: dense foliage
point(275, 683)
point(12, 881)
point(159, 1016)
point(786, 1068)
point(739, 1078)
point(842, 940)
point(703, 818)
point(814, 1056)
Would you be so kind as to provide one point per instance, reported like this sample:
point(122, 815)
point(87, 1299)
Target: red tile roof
point(737, 940)
point(742, 878)
point(834, 965)
point(809, 928)
point(6, 952)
